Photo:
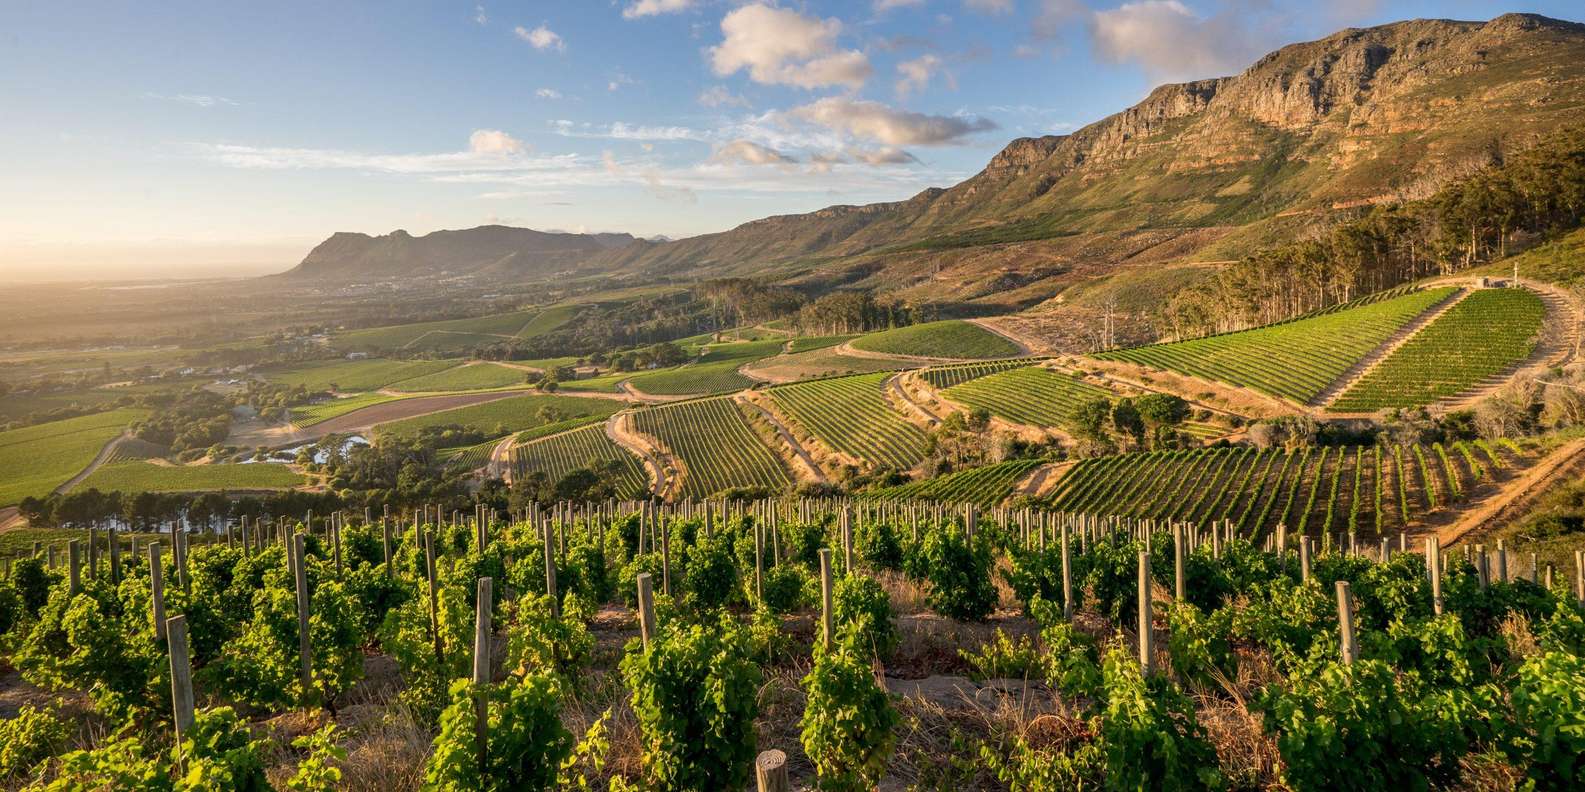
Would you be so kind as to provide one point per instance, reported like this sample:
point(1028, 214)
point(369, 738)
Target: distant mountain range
point(1197, 172)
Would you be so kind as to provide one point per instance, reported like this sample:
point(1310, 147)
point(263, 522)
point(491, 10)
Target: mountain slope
point(1209, 167)
point(491, 252)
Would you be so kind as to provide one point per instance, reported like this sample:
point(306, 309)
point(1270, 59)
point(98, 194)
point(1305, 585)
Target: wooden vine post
point(1177, 563)
point(434, 594)
point(481, 670)
point(181, 681)
point(646, 609)
point(157, 590)
point(1345, 621)
point(1146, 655)
point(305, 649)
point(1304, 559)
point(827, 627)
point(1067, 577)
point(1433, 566)
point(74, 563)
point(770, 771)
point(550, 574)
point(385, 543)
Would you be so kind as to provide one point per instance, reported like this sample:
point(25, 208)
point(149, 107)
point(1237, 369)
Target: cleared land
point(474, 376)
point(349, 376)
point(1482, 336)
point(1032, 395)
point(714, 442)
point(985, 486)
point(1294, 360)
point(148, 477)
point(823, 362)
point(505, 416)
point(851, 415)
point(946, 339)
point(560, 454)
point(37, 459)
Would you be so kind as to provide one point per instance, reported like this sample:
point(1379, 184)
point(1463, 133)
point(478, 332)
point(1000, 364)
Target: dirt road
point(1543, 473)
point(103, 457)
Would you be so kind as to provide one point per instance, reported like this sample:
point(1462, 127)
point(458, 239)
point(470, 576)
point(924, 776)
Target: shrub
point(526, 743)
point(29, 738)
point(712, 571)
point(218, 753)
point(1151, 737)
point(316, 772)
point(877, 545)
point(783, 588)
point(1547, 734)
point(695, 694)
point(957, 574)
point(848, 722)
point(862, 613)
point(538, 640)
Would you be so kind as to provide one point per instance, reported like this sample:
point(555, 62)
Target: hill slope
point(490, 252)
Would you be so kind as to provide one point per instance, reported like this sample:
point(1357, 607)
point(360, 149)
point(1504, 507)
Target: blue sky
point(175, 137)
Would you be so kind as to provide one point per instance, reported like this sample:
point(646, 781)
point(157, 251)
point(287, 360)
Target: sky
point(180, 138)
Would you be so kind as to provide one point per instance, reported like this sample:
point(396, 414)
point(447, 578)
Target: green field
point(958, 373)
point(985, 486)
point(605, 383)
point(146, 477)
point(351, 376)
point(851, 414)
point(1484, 335)
point(1294, 360)
point(1032, 395)
point(37, 459)
point(714, 372)
point(504, 416)
point(334, 408)
point(473, 376)
point(18, 406)
point(811, 343)
point(714, 441)
point(458, 334)
point(563, 453)
point(946, 339)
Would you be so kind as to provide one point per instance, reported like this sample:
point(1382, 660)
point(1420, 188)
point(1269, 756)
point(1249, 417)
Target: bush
point(848, 722)
point(538, 640)
point(29, 738)
point(695, 694)
point(862, 613)
point(712, 571)
point(877, 545)
point(526, 743)
point(218, 753)
point(1547, 734)
point(1150, 733)
point(958, 575)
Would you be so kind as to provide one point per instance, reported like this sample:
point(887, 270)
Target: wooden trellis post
point(1067, 577)
point(770, 771)
point(827, 627)
point(481, 669)
point(1177, 563)
point(550, 574)
point(646, 609)
point(1433, 565)
point(157, 590)
point(181, 681)
point(1146, 655)
point(305, 649)
point(1345, 621)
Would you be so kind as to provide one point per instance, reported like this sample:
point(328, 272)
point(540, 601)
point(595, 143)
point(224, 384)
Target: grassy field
point(350, 376)
point(1032, 395)
point(716, 371)
point(1482, 336)
point(985, 486)
point(1294, 360)
point(716, 444)
point(17, 406)
point(334, 408)
point(561, 454)
point(851, 414)
point(146, 477)
point(37, 459)
point(505, 416)
point(474, 376)
point(947, 339)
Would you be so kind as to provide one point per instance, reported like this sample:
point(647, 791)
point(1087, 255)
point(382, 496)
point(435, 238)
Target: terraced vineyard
point(1483, 335)
point(1294, 360)
point(851, 415)
point(1316, 490)
point(147, 477)
point(714, 441)
point(946, 339)
point(349, 376)
point(1032, 395)
point(716, 371)
point(468, 457)
point(503, 416)
point(811, 343)
point(959, 373)
point(458, 334)
point(985, 486)
point(558, 455)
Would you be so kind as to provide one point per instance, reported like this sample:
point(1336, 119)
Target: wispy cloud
point(479, 16)
point(624, 131)
point(644, 8)
point(548, 93)
point(541, 38)
point(196, 100)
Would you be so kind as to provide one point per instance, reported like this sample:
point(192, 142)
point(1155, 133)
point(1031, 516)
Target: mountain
point(1197, 172)
point(488, 252)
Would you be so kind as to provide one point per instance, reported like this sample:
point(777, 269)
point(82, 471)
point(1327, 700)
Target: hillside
point(1199, 170)
point(486, 252)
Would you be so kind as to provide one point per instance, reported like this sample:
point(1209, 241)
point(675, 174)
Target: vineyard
point(1482, 336)
point(1033, 395)
point(851, 415)
point(472, 376)
point(560, 454)
point(505, 416)
point(811, 343)
point(348, 376)
point(577, 648)
point(715, 443)
point(148, 477)
point(320, 412)
point(952, 374)
point(1322, 490)
point(716, 371)
point(457, 334)
point(947, 339)
point(1294, 360)
point(984, 486)
point(37, 459)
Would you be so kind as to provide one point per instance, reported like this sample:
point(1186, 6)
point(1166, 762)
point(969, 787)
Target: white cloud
point(624, 131)
point(884, 156)
point(548, 93)
point(196, 100)
point(781, 46)
point(989, 6)
point(644, 8)
point(494, 141)
point(1172, 42)
point(479, 16)
point(541, 38)
point(719, 96)
point(619, 80)
point(887, 5)
point(915, 74)
point(751, 153)
point(889, 126)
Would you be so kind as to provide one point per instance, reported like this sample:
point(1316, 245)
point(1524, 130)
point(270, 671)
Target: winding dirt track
point(367, 418)
point(1543, 473)
point(813, 470)
point(1400, 337)
point(655, 456)
point(99, 460)
point(1025, 348)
